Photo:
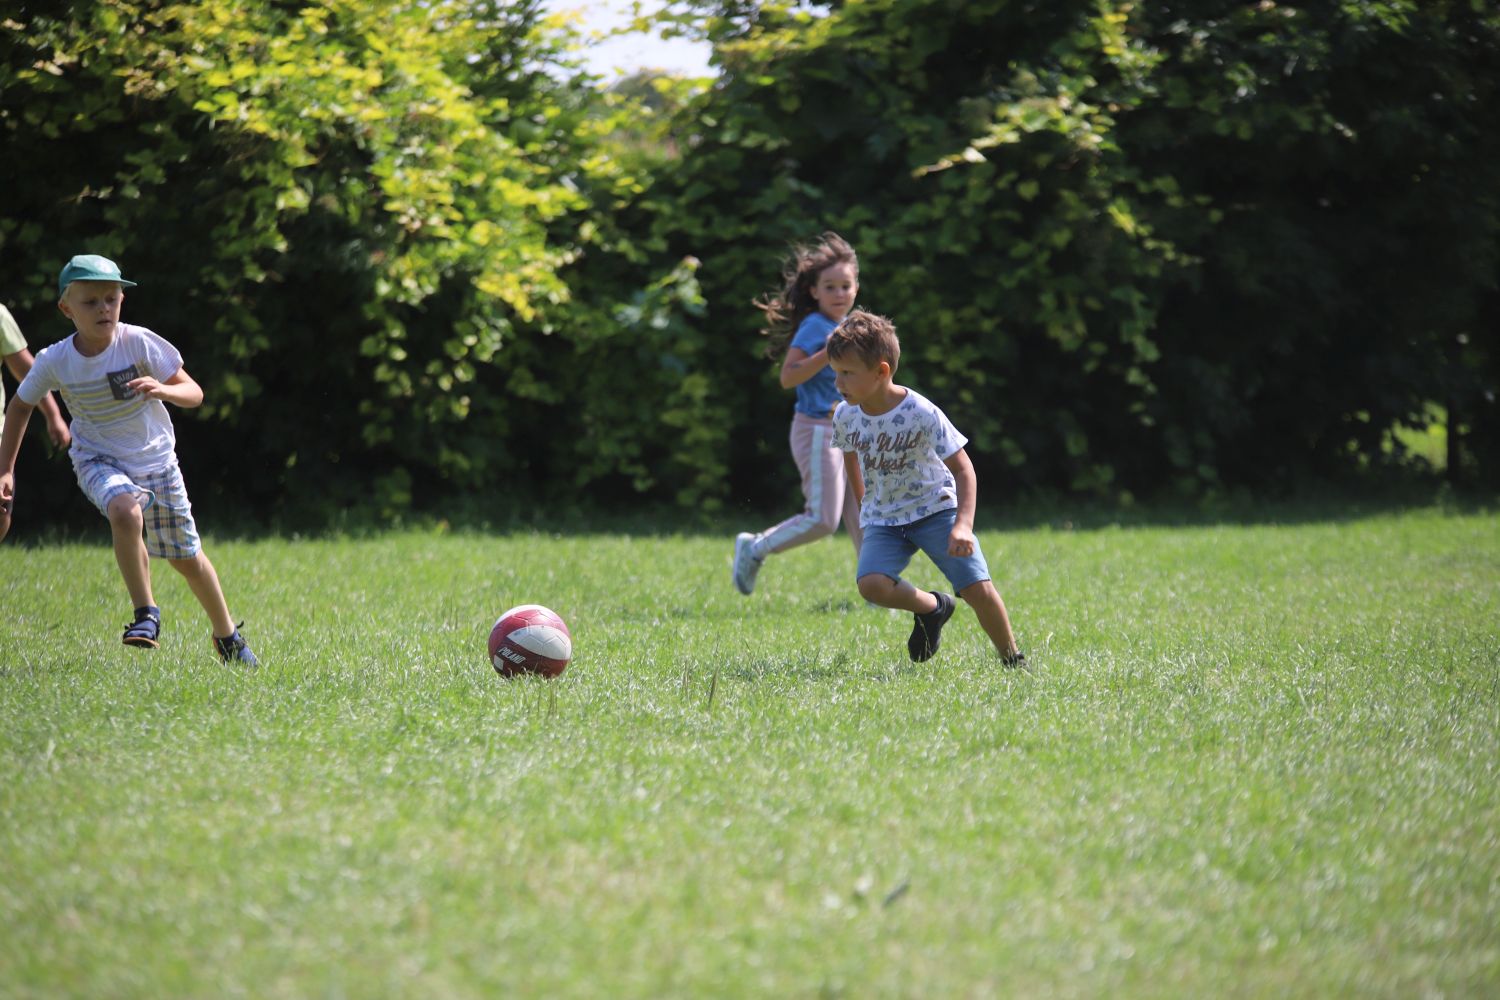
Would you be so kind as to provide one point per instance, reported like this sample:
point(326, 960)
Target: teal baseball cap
point(90, 267)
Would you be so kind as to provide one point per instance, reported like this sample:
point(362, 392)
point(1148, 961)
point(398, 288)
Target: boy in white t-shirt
point(907, 465)
point(19, 360)
point(115, 378)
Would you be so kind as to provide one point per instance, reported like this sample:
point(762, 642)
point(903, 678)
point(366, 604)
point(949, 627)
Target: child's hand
point(960, 541)
point(61, 436)
point(7, 492)
point(148, 387)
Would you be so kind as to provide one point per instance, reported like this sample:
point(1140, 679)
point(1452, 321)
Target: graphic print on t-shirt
point(117, 381)
point(885, 452)
point(902, 456)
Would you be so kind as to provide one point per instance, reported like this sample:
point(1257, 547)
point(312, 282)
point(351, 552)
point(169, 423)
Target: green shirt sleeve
point(11, 340)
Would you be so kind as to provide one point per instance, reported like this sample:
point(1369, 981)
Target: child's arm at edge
point(17, 416)
point(20, 364)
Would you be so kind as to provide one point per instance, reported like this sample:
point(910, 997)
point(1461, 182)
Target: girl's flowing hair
point(785, 310)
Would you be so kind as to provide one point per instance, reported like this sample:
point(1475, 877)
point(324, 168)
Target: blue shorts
point(170, 530)
point(887, 549)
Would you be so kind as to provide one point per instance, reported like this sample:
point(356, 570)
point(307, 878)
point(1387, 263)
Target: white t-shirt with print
point(109, 419)
point(901, 456)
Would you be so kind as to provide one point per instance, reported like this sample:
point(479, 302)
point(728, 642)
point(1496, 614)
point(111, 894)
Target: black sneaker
point(145, 631)
point(928, 630)
point(234, 649)
point(1017, 662)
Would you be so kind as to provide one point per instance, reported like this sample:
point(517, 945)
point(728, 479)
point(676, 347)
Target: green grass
point(1249, 760)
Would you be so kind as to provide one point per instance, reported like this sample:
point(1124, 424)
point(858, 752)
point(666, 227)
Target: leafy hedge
point(1131, 247)
point(360, 221)
point(419, 259)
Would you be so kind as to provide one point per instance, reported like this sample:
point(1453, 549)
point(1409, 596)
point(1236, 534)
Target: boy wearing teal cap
point(116, 378)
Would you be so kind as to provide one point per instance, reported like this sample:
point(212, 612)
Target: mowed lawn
point(1248, 760)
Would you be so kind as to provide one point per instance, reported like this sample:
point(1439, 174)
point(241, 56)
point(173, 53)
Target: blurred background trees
point(422, 261)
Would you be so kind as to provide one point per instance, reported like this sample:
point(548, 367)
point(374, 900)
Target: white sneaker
point(746, 565)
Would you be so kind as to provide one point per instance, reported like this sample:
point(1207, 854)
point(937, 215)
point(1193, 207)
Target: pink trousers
point(829, 498)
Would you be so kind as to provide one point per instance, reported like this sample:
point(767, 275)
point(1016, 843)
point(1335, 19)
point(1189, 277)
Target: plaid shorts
point(170, 531)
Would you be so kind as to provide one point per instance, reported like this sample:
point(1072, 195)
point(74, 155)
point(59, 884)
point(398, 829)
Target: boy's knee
point(983, 592)
point(875, 586)
point(191, 565)
point(125, 510)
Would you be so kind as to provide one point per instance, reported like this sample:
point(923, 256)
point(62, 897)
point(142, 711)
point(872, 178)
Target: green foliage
point(1129, 246)
point(1351, 231)
point(356, 219)
point(415, 254)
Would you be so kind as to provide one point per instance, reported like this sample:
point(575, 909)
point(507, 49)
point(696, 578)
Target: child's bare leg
point(126, 525)
point(203, 581)
point(877, 588)
point(985, 600)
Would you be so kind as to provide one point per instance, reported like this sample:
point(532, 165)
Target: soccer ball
point(530, 639)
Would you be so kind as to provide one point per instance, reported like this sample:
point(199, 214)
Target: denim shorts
point(170, 530)
point(887, 549)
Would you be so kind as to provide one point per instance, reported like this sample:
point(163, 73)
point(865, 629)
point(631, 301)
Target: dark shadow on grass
point(1310, 503)
point(809, 667)
point(840, 605)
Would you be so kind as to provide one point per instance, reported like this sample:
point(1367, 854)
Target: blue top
point(816, 397)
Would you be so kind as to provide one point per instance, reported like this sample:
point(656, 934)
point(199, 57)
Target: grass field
point(1249, 760)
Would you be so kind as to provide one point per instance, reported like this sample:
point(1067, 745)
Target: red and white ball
point(530, 639)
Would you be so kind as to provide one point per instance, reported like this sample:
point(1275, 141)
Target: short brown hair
point(869, 337)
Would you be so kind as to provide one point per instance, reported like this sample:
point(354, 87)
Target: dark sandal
point(234, 649)
point(145, 631)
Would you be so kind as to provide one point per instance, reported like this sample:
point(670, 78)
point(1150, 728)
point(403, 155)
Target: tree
point(1190, 244)
point(356, 218)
